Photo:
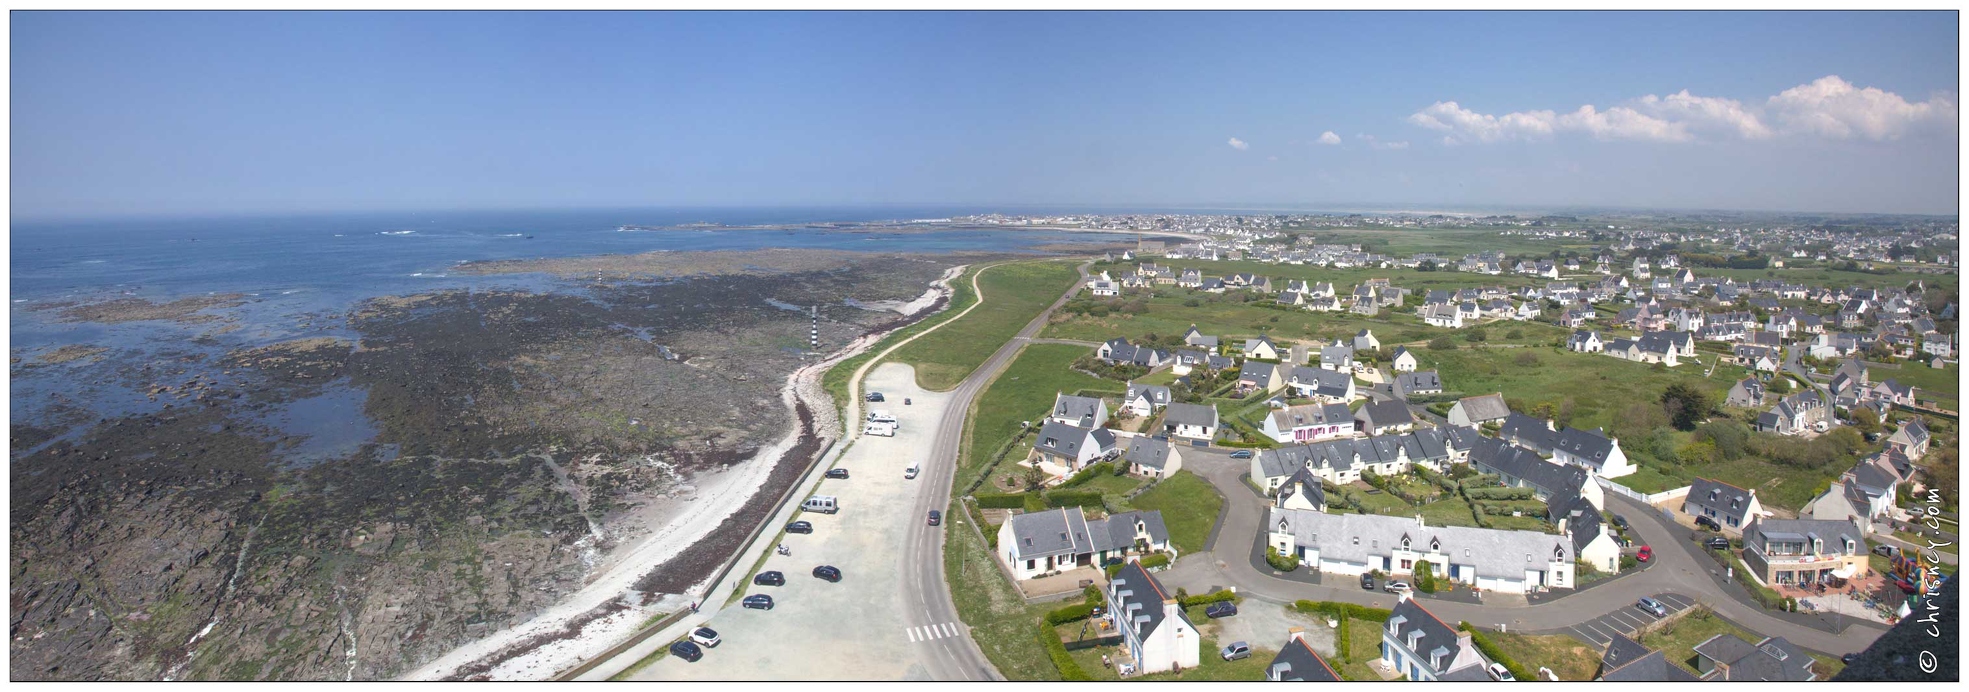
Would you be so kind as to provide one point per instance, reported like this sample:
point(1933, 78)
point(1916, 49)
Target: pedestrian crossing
point(929, 632)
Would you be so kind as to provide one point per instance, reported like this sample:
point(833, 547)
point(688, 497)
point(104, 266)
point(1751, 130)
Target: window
point(1030, 564)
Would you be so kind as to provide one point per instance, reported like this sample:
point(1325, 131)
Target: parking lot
point(804, 637)
point(1625, 620)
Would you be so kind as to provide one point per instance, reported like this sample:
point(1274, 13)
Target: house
point(1478, 410)
point(1554, 484)
point(1796, 414)
point(1802, 552)
point(1892, 391)
point(1861, 494)
point(1153, 628)
point(1756, 357)
point(1591, 540)
point(1354, 544)
point(1194, 423)
point(1627, 660)
point(1309, 423)
point(1036, 544)
point(1365, 341)
point(1729, 506)
point(1103, 289)
point(1337, 357)
point(1120, 352)
point(1584, 341)
point(1404, 361)
point(1343, 460)
point(1260, 347)
point(1083, 411)
point(1442, 315)
point(1152, 458)
point(1071, 447)
point(1298, 662)
point(1417, 384)
point(1593, 451)
point(1197, 338)
point(1419, 645)
point(1321, 385)
point(1384, 417)
point(1746, 393)
point(1912, 438)
point(1258, 376)
point(1145, 399)
point(1301, 490)
point(1729, 658)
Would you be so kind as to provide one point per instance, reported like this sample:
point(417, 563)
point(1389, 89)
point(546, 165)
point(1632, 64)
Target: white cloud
point(1329, 138)
point(1833, 107)
point(1829, 107)
point(1239, 144)
point(1375, 143)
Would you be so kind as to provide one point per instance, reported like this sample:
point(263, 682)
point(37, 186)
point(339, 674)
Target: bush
point(1475, 336)
point(1072, 613)
point(1282, 563)
point(1156, 560)
point(1069, 669)
point(1209, 598)
point(1337, 610)
point(1425, 577)
point(1490, 651)
point(1074, 498)
point(1001, 500)
point(1442, 343)
point(1087, 474)
point(1628, 562)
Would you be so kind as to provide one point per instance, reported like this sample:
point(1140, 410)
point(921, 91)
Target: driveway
point(864, 540)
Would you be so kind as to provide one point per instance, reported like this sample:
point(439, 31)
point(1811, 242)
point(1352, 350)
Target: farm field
point(1024, 392)
point(1599, 386)
point(1013, 294)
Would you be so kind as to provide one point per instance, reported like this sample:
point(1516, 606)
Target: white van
point(880, 429)
point(820, 503)
point(909, 473)
point(880, 416)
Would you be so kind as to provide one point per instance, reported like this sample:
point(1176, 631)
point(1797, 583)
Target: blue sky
point(195, 113)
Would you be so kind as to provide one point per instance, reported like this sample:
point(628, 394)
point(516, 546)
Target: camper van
point(820, 503)
point(880, 429)
point(881, 416)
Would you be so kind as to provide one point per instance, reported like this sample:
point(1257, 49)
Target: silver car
point(1236, 651)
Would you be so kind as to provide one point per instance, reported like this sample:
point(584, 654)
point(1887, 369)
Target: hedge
point(1343, 644)
point(1001, 500)
point(1156, 560)
point(1336, 609)
point(1072, 613)
point(1074, 498)
point(1209, 598)
point(1087, 474)
point(1282, 563)
point(1069, 669)
point(1490, 651)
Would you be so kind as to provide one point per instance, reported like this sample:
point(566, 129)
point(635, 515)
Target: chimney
point(1551, 424)
point(1463, 640)
point(1295, 633)
point(1401, 597)
point(1418, 522)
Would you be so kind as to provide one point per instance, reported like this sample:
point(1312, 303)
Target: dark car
point(686, 651)
point(837, 473)
point(799, 527)
point(1241, 454)
point(828, 572)
point(1708, 523)
point(1367, 582)
point(1848, 658)
point(1620, 521)
point(936, 517)
point(770, 579)
point(1717, 543)
point(1220, 609)
point(875, 396)
point(759, 602)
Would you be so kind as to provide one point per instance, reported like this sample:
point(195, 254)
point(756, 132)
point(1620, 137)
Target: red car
point(1644, 554)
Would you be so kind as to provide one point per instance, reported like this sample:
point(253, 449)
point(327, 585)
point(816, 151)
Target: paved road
point(1678, 570)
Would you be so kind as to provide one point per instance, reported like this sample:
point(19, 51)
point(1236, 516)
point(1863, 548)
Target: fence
point(1644, 498)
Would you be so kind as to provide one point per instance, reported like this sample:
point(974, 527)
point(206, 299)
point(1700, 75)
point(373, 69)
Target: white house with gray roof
point(1478, 410)
point(1153, 628)
point(1083, 411)
point(1729, 506)
point(1423, 648)
point(1309, 423)
point(1145, 399)
point(1071, 447)
point(1193, 423)
point(1489, 559)
point(1322, 385)
point(1152, 458)
point(1036, 544)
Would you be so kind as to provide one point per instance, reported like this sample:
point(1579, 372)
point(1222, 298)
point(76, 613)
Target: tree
point(1865, 420)
point(1779, 385)
point(1685, 405)
point(1034, 477)
point(1442, 343)
point(1476, 335)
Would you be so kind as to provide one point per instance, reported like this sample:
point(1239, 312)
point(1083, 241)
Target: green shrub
point(1425, 577)
point(1442, 343)
point(1282, 563)
point(1112, 570)
point(1345, 639)
point(1490, 651)
point(1156, 560)
point(1069, 669)
point(1074, 498)
point(1001, 500)
point(1209, 598)
point(1335, 609)
point(1086, 474)
point(1072, 613)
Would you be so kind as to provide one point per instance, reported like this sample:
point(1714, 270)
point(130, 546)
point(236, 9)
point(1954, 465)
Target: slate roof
point(1323, 382)
point(1377, 414)
point(1424, 381)
point(1302, 482)
point(1582, 522)
point(1495, 553)
point(1529, 432)
point(1117, 532)
point(1336, 355)
point(1066, 440)
point(1141, 598)
point(1484, 408)
point(1436, 635)
point(1080, 410)
point(1828, 531)
point(1526, 465)
point(1158, 395)
point(1147, 452)
point(1257, 371)
point(1310, 414)
point(1298, 662)
point(1190, 414)
point(1591, 446)
point(1773, 659)
point(1052, 532)
point(1717, 495)
point(1621, 651)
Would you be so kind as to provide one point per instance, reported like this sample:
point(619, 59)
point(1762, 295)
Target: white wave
point(423, 275)
point(395, 232)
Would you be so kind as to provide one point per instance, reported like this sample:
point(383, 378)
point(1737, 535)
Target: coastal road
point(1679, 570)
point(954, 658)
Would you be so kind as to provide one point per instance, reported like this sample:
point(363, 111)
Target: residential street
point(1679, 570)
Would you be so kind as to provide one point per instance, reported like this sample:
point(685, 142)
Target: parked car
point(1397, 587)
point(772, 578)
point(1367, 582)
point(1220, 609)
point(909, 473)
point(936, 517)
point(1708, 523)
point(828, 572)
point(1652, 607)
point(1885, 550)
point(1499, 673)
point(874, 396)
point(1848, 658)
point(1236, 651)
point(705, 637)
point(1717, 543)
point(1620, 521)
point(1644, 554)
point(799, 527)
point(905, 401)
point(686, 651)
point(758, 602)
point(1241, 454)
point(837, 473)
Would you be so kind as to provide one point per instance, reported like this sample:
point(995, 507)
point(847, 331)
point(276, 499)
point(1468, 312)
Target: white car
point(705, 637)
point(1397, 587)
point(1500, 674)
point(909, 473)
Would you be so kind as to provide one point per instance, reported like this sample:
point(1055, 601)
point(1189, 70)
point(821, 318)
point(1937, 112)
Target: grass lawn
point(1364, 642)
point(1110, 484)
point(1013, 295)
point(1923, 541)
point(1448, 510)
point(1163, 377)
point(1000, 620)
point(835, 380)
point(1189, 509)
point(1678, 641)
point(1566, 656)
point(1524, 523)
point(1783, 487)
point(1374, 501)
point(1210, 666)
point(1940, 385)
point(1649, 479)
point(1023, 392)
point(1599, 386)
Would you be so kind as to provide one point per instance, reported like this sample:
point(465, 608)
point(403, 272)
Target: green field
point(835, 380)
point(1566, 656)
point(1189, 509)
point(1023, 392)
point(1834, 278)
point(1001, 622)
point(1941, 385)
point(1598, 385)
point(1013, 295)
point(1364, 644)
point(1210, 666)
point(1227, 316)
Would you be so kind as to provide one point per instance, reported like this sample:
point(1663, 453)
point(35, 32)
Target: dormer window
point(1435, 545)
